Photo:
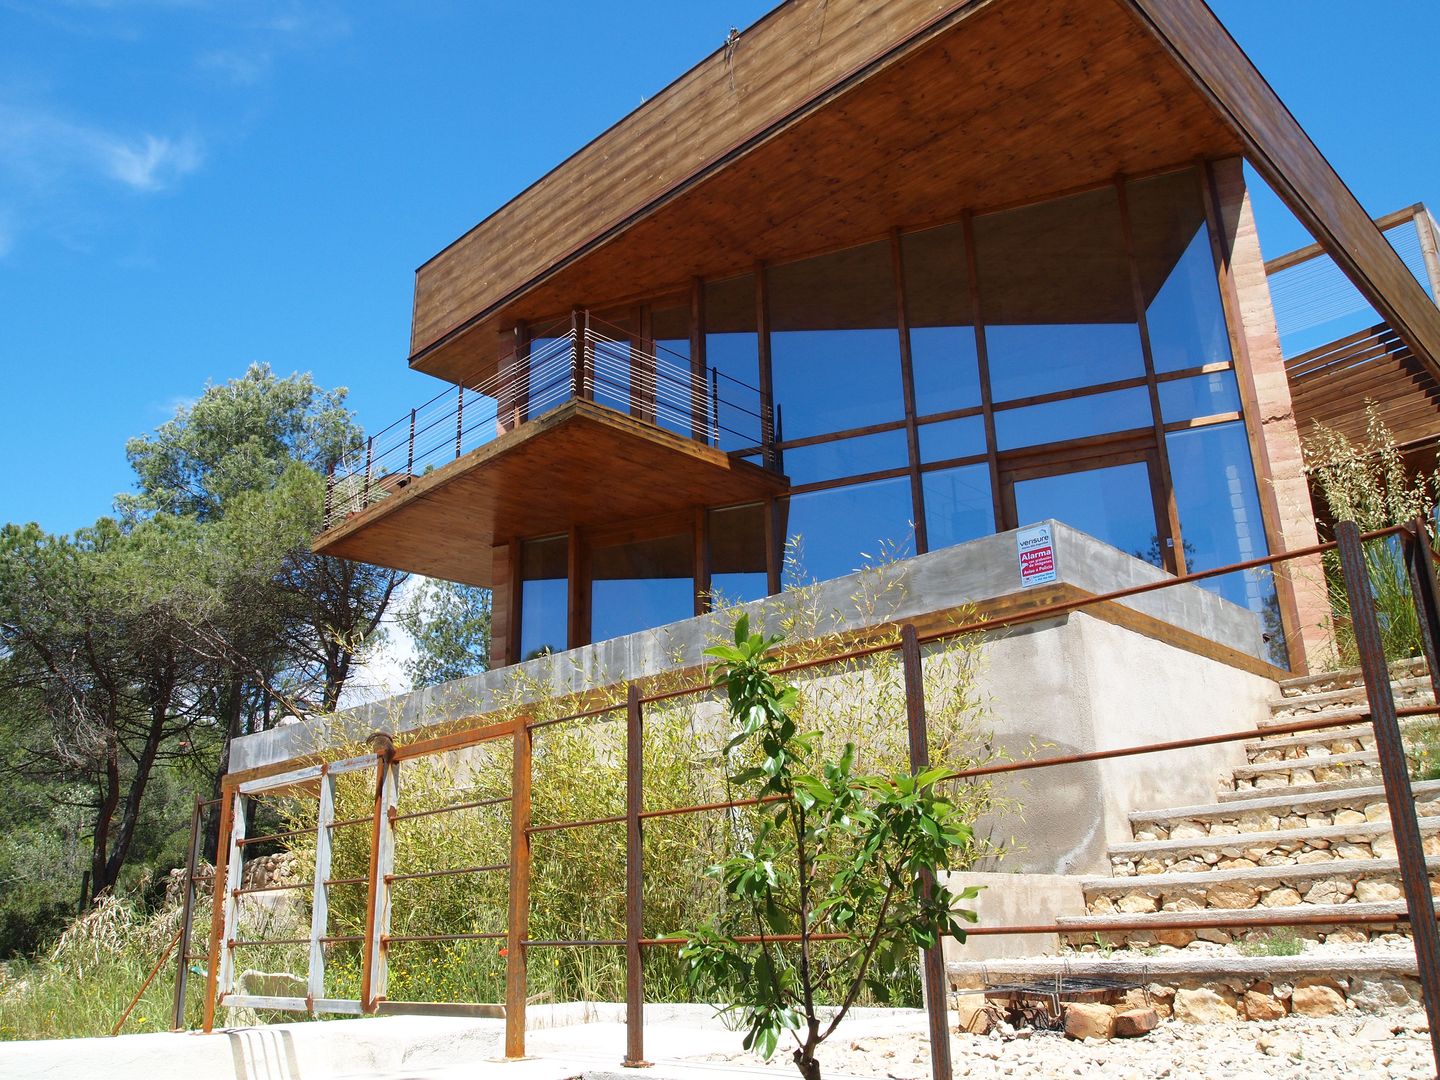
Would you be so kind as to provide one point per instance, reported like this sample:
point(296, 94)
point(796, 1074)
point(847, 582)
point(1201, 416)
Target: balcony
point(586, 429)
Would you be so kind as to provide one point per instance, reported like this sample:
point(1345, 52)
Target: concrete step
point(1179, 929)
point(1240, 884)
point(1414, 690)
point(1305, 775)
point(1345, 806)
point(1267, 847)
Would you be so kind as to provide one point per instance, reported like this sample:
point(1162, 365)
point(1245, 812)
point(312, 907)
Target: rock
point(1232, 896)
point(1375, 1031)
point(1376, 994)
point(1349, 817)
point(971, 1010)
point(271, 984)
point(1279, 1044)
point(1263, 1005)
point(1316, 1001)
point(1084, 1020)
point(1376, 892)
point(1137, 903)
point(1203, 1006)
point(1281, 897)
point(1330, 891)
point(1133, 1023)
point(1176, 939)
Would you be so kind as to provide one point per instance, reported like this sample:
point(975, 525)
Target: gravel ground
point(1391, 1046)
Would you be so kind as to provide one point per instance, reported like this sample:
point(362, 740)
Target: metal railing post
point(369, 462)
point(634, 881)
point(187, 917)
point(459, 420)
point(519, 921)
point(410, 456)
point(329, 494)
point(933, 980)
point(1426, 593)
point(715, 405)
point(1394, 771)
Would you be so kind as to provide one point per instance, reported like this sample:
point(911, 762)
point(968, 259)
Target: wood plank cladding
point(830, 124)
point(578, 466)
point(1331, 385)
point(1284, 155)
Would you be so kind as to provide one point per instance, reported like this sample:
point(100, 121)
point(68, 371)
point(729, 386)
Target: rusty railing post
point(1394, 771)
point(382, 856)
point(1426, 593)
point(519, 928)
point(187, 917)
point(459, 419)
point(634, 881)
point(933, 980)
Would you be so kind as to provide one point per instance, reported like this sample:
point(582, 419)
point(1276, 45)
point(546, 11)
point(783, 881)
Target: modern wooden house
point(886, 278)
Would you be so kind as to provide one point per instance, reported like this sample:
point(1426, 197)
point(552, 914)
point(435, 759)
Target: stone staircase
point(1302, 826)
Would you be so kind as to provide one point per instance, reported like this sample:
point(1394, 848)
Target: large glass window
point(1056, 296)
point(676, 387)
point(1183, 312)
point(945, 440)
point(958, 505)
point(1073, 418)
point(1200, 395)
point(1112, 503)
point(834, 344)
point(838, 530)
point(549, 376)
point(938, 310)
point(610, 358)
point(732, 351)
point(544, 597)
point(642, 584)
point(1219, 508)
point(855, 456)
point(738, 568)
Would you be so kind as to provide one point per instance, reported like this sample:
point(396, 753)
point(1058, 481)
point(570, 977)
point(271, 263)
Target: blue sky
point(187, 186)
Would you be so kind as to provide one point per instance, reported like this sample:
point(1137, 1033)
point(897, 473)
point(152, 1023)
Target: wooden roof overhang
point(578, 465)
point(830, 123)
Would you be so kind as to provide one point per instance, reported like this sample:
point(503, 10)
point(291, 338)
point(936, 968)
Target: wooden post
point(580, 386)
point(634, 881)
point(699, 411)
point(519, 929)
point(229, 868)
point(934, 958)
point(907, 378)
point(1425, 229)
point(320, 895)
point(767, 381)
point(382, 863)
point(982, 364)
point(187, 918)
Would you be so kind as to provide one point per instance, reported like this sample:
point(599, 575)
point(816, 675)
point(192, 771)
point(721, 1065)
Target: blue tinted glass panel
point(732, 353)
point(737, 555)
point(846, 457)
point(1201, 395)
point(544, 597)
point(834, 532)
point(1073, 418)
point(958, 505)
point(1112, 504)
point(610, 370)
point(550, 366)
point(940, 316)
point(1056, 296)
point(674, 381)
point(1219, 508)
point(1178, 281)
point(948, 439)
point(641, 585)
point(835, 341)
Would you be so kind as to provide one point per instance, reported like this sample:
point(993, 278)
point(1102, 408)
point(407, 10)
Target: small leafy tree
point(836, 857)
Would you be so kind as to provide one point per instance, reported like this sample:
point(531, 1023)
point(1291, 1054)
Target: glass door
point(1112, 498)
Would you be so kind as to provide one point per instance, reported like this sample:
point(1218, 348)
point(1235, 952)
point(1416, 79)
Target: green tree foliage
point(836, 852)
point(450, 625)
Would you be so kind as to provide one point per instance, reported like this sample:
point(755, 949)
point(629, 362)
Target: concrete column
point(1270, 420)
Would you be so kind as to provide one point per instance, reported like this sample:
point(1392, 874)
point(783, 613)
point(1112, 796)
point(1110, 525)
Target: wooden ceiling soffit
point(1293, 166)
point(581, 464)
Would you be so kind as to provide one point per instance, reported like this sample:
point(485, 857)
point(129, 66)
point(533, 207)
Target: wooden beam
point(519, 904)
point(1313, 251)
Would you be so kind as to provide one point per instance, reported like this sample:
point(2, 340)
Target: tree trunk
point(806, 1063)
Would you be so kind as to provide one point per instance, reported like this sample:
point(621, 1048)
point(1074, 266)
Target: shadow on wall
point(263, 1054)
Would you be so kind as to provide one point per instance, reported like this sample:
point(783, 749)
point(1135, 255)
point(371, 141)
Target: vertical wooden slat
point(223, 848)
point(577, 606)
point(766, 372)
point(936, 993)
point(519, 915)
point(1425, 229)
point(634, 880)
point(907, 376)
point(774, 542)
point(234, 878)
point(703, 566)
point(1167, 514)
point(644, 373)
point(699, 407)
point(320, 895)
point(187, 919)
point(982, 363)
point(377, 906)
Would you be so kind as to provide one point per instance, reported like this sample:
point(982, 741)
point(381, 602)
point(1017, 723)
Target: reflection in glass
point(1199, 395)
point(846, 457)
point(958, 505)
point(1219, 508)
point(640, 585)
point(738, 571)
point(544, 597)
point(1056, 297)
point(1113, 504)
point(674, 381)
point(949, 439)
point(836, 531)
point(1178, 282)
point(732, 349)
point(834, 344)
point(1073, 418)
point(550, 363)
point(937, 307)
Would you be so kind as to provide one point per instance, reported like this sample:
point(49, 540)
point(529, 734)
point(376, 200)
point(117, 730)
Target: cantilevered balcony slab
point(581, 464)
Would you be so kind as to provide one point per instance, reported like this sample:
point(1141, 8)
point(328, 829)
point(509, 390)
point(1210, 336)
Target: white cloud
point(150, 163)
point(46, 150)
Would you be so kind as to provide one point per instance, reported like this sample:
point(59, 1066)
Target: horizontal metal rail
point(447, 873)
point(618, 819)
point(366, 820)
point(413, 814)
point(248, 841)
point(340, 939)
point(235, 943)
point(405, 939)
point(347, 881)
point(553, 943)
point(272, 888)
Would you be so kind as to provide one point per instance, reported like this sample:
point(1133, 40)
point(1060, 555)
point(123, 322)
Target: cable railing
point(579, 362)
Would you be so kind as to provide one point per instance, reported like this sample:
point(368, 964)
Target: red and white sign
point(1037, 555)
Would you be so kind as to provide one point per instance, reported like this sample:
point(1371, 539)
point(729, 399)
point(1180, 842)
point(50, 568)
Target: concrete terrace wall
point(982, 570)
